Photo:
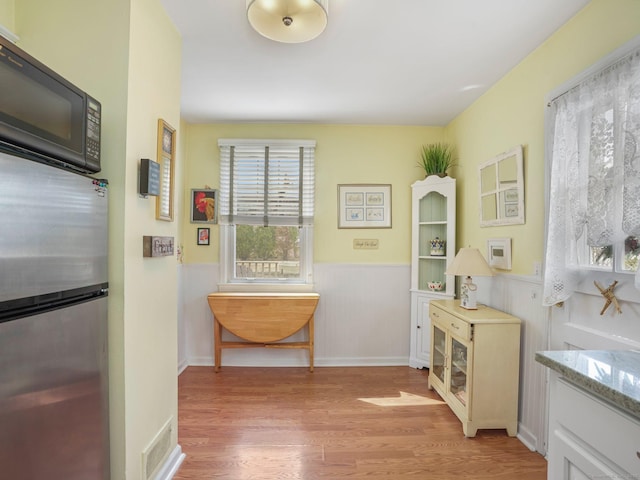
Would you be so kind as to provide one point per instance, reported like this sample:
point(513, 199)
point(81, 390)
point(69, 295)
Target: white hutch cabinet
point(433, 246)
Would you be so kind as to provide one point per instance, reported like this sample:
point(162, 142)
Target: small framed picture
point(203, 236)
point(510, 209)
point(204, 205)
point(364, 206)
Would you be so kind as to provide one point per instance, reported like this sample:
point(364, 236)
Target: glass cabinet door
point(438, 354)
point(458, 381)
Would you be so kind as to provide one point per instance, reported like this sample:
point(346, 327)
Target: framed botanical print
point(364, 206)
point(166, 159)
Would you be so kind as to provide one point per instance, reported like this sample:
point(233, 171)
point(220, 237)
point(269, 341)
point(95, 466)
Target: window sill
point(265, 287)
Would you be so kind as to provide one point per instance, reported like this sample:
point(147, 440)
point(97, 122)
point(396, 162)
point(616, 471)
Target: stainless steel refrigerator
point(54, 421)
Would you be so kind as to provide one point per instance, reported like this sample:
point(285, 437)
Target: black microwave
point(45, 117)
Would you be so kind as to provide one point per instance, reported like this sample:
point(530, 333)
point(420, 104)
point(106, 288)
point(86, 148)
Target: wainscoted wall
point(521, 296)
point(362, 318)
point(578, 323)
point(575, 325)
point(198, 280)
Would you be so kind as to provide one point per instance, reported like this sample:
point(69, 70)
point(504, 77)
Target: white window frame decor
point(270, 200)
point(506, 197)
point(592, 150)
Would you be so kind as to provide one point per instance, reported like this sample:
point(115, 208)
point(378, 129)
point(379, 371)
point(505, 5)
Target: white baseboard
point(319, 362)
point(362, 362)
point(527, 438)
point(171, 466)
point(203, 361)
point(182, 366)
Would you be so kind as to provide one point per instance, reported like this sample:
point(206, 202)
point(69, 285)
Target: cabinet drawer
point(455, 325)
point(603, 428)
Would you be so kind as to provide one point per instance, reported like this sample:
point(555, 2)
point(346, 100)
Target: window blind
point(267, 182)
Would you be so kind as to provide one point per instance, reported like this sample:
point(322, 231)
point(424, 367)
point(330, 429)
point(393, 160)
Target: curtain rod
point(613, 60)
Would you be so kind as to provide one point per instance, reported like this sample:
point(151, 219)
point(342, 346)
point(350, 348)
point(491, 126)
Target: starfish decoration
point(609, 295)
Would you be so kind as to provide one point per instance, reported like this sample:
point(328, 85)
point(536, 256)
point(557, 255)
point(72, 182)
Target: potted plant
point(436, 159)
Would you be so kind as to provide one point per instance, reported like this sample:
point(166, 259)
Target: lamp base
point(468, 295)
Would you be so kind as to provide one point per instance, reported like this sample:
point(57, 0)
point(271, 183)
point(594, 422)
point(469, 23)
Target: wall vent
point(157, 451)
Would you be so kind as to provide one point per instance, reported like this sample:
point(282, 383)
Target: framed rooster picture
point(204, 205)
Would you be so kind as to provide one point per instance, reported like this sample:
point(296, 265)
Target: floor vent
point(156, 451)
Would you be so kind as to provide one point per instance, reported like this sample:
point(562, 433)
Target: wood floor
point(289, 424)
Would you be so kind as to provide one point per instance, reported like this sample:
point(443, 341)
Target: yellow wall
point(121, 58)
point(151, 287)
point(7, 7)
point(124, 64)
point(512, 113)
point(344, 154)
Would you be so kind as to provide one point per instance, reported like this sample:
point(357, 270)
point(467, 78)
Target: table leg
point(217, 344)
point(311, 344)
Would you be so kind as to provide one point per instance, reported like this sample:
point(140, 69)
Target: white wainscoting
point(198, 280)
point(362, 319)
point(364, 314)
point(578, 323)
point(521, 296)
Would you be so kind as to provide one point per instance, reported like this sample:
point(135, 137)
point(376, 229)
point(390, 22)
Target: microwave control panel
point(93, 131)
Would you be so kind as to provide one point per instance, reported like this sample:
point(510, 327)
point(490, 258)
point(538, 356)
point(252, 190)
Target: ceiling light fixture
point(288, 21)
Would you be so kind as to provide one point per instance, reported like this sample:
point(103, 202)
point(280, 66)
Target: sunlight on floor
point(404, 400)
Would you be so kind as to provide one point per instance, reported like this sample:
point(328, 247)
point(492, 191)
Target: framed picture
point(204, 205)
point(364, 206)
point(510, 209)
point(511, 196)
point(203, 236)
point(499, 253)
point(166, 159)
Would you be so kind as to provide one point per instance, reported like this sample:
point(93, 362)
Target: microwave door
point(44, 113)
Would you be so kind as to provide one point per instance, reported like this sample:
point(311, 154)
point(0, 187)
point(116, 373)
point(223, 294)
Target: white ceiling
point(387, 62)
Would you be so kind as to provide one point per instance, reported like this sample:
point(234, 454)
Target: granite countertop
point(613, 375)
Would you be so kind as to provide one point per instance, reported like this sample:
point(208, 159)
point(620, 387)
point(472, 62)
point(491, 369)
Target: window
point(622, 257)
point(593, 148)
point(266, 211)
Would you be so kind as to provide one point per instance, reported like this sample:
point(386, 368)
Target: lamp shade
point(469, 262)
point(288, 21)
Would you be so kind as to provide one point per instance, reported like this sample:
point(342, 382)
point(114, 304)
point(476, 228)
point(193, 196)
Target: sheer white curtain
point(595, 173)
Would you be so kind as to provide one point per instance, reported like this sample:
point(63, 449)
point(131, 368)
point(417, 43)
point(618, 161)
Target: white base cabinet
point(475, 364)
point(420, 349)
point(588, 437)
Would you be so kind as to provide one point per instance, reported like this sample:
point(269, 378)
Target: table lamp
point(469, 262)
